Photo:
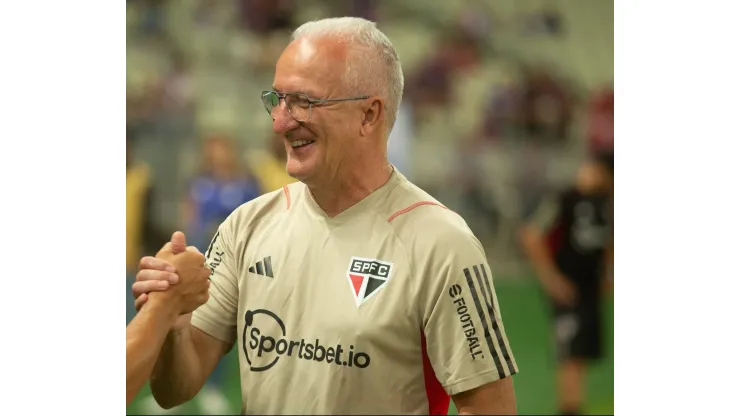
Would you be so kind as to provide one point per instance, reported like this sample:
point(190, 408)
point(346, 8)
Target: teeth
point(300, 143)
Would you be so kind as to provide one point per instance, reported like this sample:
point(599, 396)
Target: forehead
point(312, 66)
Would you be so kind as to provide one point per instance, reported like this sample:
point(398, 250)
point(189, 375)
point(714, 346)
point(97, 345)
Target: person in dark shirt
point(569, 241)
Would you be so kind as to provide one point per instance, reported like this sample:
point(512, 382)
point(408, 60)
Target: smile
point(299, 143)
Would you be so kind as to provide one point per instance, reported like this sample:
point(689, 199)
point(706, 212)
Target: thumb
point(178, 242)
point(194, 249)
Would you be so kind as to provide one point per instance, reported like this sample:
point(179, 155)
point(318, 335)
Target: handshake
point(176, 277)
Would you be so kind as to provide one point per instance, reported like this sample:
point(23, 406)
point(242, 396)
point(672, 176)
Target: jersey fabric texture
point(579, 229)
point(387, 308)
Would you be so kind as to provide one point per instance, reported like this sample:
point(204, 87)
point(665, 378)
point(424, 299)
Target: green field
point(526, 320)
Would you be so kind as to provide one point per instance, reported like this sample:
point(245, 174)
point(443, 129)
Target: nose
point(282, 121)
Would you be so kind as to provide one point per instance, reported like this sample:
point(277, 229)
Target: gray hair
point(374, 69)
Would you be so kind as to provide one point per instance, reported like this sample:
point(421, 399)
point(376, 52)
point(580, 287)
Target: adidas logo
point(262, 268)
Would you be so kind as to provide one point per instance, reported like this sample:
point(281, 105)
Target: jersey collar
point(363, 207)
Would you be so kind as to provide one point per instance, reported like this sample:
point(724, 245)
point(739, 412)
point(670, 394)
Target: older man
point(351, 291)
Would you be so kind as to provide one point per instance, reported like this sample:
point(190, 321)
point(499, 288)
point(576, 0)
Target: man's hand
point(155, 275)
point(191, 291)
point(560, 289)
point(175, 263)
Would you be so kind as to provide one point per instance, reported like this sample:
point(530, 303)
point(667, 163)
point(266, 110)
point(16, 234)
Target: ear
point(373, 117)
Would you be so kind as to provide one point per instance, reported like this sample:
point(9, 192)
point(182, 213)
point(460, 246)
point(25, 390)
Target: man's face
point(316, 68)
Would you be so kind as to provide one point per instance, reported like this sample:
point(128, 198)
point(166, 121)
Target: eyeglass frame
point(311, 102)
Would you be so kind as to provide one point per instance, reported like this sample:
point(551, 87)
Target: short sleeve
point(217, 317)
point(465, 338)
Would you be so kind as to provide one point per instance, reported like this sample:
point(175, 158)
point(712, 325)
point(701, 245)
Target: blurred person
point(571, 263)
point(142, 234)
point(146, 333)
point(352, 291)
point(221, 186)
point(269, 166)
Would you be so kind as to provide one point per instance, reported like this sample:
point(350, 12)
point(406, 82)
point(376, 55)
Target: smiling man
point(352, 291)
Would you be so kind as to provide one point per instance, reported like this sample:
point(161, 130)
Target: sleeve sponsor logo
point(468, 327)
point(214, 253)
point(483, 304)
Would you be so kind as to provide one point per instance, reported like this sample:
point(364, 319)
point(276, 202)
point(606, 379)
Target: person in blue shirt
point(221, 186)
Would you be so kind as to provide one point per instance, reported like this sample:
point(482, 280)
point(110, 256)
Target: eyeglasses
point(298, 104)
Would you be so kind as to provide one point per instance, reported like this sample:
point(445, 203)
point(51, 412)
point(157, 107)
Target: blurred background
point(504, 99)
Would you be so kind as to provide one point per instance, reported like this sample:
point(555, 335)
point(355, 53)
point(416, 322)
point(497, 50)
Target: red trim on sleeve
point(286, 191)
point(439, 400)
point(411, 207)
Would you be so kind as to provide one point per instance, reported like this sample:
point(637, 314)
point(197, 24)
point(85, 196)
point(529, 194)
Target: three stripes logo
point(263, 267)
point(493, 343)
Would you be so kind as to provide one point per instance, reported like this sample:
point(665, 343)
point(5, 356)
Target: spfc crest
point(367, 276)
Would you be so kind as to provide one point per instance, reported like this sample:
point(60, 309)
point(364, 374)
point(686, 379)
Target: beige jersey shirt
point(388, 307)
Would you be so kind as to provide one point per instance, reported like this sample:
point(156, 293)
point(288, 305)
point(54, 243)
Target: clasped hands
point(177, 276)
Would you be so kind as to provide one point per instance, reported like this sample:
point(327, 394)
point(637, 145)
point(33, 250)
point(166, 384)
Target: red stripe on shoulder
point(411, 207)
point(439, 400)
point(286, 191)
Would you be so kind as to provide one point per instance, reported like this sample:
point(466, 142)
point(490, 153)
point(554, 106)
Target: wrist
point(162, 306)
point(548, 272)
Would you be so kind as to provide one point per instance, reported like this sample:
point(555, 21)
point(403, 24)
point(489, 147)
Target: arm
point(147, 332)
point(196, 344)
point(187, 358)
point(495, 398)
point(535, 247)
point(533, 238)
point(463, 327)
point(144, 338)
